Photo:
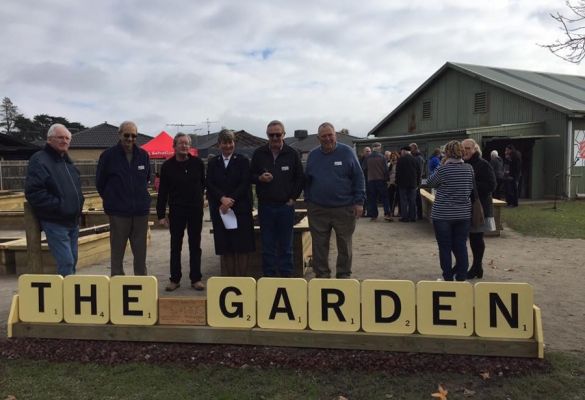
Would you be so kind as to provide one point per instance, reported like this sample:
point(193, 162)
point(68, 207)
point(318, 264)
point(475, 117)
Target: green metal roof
point(565, 93)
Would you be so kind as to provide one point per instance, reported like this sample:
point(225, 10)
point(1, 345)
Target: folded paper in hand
point(229, 219)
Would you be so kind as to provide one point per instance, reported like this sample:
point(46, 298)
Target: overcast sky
point(244, 63)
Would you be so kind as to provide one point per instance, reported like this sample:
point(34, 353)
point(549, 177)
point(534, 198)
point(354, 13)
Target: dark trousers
point(451, 237)
point(408, 203)
point(418, 204)
point(477, 245)
point(377, 190)
point(393, 199)
point(276, 230)
point(512, 192)
point(177, 225)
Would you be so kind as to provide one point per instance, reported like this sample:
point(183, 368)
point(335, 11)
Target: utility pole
point(208, 122)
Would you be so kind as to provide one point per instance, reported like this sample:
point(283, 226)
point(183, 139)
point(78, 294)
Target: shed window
point(426, 112)
point(480, 103)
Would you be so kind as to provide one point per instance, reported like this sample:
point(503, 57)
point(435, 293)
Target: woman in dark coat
point(228, 188)
point(485, 183)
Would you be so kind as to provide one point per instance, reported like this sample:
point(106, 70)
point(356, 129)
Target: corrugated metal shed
point(564, 93)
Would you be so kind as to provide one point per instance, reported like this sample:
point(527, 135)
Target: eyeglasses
point(275, 135)
point(130, 135)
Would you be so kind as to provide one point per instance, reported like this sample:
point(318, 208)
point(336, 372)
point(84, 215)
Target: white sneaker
point(440, 280)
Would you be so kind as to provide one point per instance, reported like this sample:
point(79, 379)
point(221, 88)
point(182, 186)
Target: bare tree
point(572, 46)
point(8, 115)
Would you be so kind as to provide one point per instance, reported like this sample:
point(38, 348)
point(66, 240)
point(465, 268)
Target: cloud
point(246, 63)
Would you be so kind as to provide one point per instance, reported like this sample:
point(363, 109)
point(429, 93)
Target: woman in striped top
point(451, 213)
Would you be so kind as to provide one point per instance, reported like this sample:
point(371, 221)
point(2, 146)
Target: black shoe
point(475, 272)
point(404, 220)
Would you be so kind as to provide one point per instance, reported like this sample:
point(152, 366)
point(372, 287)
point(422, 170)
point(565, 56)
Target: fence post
point(33, 241)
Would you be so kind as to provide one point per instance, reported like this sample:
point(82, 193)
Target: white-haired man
point(53, 189)
point(498, 165)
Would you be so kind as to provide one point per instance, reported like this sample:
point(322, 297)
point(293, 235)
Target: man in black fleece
point(182, 180)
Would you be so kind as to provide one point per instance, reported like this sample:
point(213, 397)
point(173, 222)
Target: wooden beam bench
point(428, 199)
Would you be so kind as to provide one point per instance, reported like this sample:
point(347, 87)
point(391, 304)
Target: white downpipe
point(569, 167)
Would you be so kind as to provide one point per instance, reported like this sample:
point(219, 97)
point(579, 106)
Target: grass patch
point(25, 379)
point(567, 222)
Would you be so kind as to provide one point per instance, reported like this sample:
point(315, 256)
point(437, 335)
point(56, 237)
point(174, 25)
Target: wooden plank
point(538, 332)
point(428, 199)
point(268, 337)
point(13, 315)
point(12, 202)
point(13, 220)
point(182, 311)
point(34, 264)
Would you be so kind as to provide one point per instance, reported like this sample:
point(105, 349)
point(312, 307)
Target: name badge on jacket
point(337, 163)
point(284, 168)
point(140, 167)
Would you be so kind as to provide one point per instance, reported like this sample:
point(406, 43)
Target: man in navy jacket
point(53, 189)
point(122, 178)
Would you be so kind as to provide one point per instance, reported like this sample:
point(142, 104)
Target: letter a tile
point(504, 310)
point(334, 305)
point(231, 302)
point(282, 303)
point(87, 299)
point(133, 300)
point(40, 298)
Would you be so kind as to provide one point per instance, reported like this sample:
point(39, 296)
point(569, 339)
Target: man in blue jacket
point(53, 189)
point(277, 172)
point(122, 178)
point(335, 193)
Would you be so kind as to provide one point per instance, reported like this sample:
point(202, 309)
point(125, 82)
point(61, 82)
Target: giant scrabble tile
point(388, 306)
point(231, 302)
point(41, 298)
point(282, 303)
point(444, 308)
point(87, 299)
point(334, 304)
point(504, 310)
point(133, 300)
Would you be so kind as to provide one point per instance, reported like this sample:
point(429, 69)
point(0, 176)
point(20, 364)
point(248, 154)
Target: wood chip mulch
point(319, 360)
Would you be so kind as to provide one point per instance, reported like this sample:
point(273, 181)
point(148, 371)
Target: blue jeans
point(276, 229)
point(377, 190)
point(62, 242)
point(451, 237)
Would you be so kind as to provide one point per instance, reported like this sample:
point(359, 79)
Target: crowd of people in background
point(338, 189)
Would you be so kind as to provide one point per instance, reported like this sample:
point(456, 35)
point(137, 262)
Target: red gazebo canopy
point(161, 146)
